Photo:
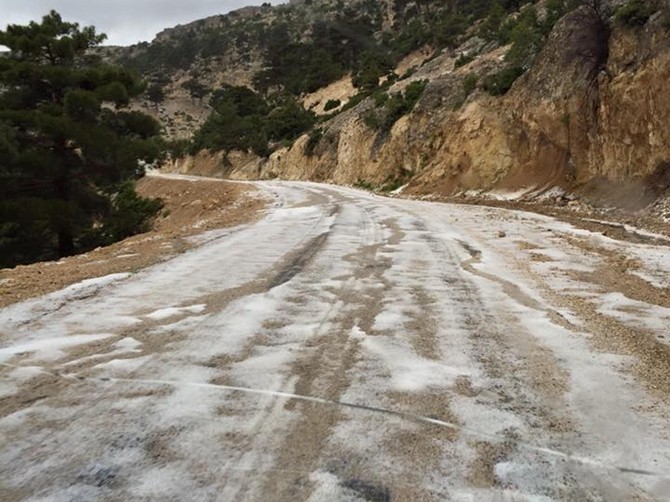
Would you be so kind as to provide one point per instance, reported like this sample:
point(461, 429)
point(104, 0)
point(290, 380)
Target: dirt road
point(350, 347)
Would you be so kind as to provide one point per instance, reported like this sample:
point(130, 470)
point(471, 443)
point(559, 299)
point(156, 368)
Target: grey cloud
point(124, 21)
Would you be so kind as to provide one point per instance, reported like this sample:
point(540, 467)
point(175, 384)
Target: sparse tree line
point(243, 119)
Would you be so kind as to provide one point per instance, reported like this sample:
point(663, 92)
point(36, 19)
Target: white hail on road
point(490, 356)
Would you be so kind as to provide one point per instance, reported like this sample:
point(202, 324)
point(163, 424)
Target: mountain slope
point(297, 48)
point(588, 113)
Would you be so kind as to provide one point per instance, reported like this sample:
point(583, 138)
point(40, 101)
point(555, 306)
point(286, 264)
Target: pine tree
point(68, 143)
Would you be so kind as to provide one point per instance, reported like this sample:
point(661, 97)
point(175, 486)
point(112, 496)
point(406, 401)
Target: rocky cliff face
point(634, 104)
point(590, 115)
point(591, 112)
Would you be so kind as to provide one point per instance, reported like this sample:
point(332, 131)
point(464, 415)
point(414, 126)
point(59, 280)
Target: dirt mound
point(191, 207)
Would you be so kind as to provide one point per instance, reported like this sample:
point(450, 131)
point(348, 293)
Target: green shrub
point(177, 148)
point(315, 136)
point(243, 120)
point(355, 100)
point(288, 120)
point(635, 12)
point(364, 185)
point(410, 71)
point(413, 92)
point(195, 89)
point(447, 29)
point(68, 143)
point(372, 66)
point(490, 28)
point(555, 10)
point(380, 98)
point(464, 59)
point(371, 119)
point(129, 214)
point(155, 93)
point(394, 106)
point(469, 83)
point(501, 82)
point(331, 104)
point(526, 38)
point(399, 180)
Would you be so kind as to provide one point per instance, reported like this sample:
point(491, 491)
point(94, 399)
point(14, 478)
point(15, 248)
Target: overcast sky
point(124, 21)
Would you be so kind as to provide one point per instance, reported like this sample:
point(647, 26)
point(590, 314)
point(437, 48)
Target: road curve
point(349, 347)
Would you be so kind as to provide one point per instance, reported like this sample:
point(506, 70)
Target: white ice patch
point(631, 229)
point(399, 190)
point(128, 343)
point(327, 488)
point(357, 333)
point(186, 324)
point(389, 320)
point(552, 193)
point(123, 347)
point(655, 279)
point(188, 401)
point(123, 366)
point(261, 370)
point(496, 495)
point(25, 373)
point(654, 259)
point(50, 348)
point(637, 314)
point(223, 441)
point(168, 312)
point(495, 264)
point(227, 332)
point(297, 332)
point(19, 375)
point(408, 371)
point(484, 418)
point(27, 311)
point(212, 235)
point(161, 483)
point(510, 195)
point(7, 389)
point(655, 262)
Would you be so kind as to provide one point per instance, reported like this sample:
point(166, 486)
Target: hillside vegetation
point(526, 96)
point(303, 46)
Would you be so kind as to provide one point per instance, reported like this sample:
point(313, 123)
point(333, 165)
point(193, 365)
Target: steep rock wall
point(593, 108)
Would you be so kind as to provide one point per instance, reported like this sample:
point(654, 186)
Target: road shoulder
point(191, 207)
